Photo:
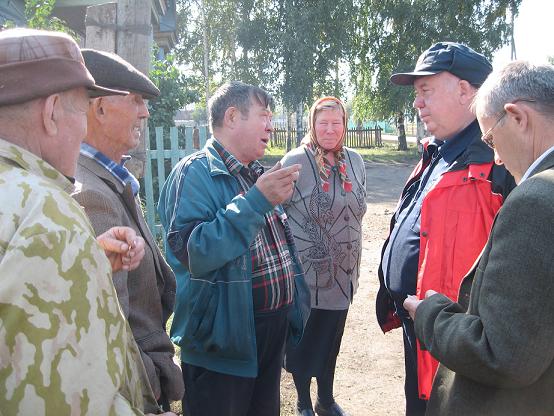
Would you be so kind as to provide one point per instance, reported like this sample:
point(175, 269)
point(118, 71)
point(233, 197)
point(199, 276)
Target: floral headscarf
point(310, 140)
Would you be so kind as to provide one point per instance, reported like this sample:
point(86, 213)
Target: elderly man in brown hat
point(109, 194)
point(65, 347)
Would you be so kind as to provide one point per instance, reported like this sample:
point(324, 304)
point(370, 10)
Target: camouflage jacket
point(65, 347)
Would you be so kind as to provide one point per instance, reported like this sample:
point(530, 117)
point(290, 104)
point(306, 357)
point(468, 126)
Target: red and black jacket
point(456, 218)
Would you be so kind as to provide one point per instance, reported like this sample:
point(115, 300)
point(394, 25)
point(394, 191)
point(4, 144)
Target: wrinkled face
point(72, 130)
point(253, 133)
point(438, 104)
point(124, 120)
point(329, 128)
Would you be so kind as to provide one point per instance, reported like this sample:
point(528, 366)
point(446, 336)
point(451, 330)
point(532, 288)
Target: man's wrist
point(258, 200)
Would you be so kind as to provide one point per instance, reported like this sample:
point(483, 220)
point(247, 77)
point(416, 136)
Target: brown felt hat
point(112, 71)
point(37, 63)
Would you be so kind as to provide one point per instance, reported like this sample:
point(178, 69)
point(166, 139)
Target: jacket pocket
point(219, 323)
point(322, 272)
point(203, 312)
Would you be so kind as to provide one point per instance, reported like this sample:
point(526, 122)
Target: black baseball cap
point(458, 59)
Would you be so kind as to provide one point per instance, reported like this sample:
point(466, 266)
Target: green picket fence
point(168, 151)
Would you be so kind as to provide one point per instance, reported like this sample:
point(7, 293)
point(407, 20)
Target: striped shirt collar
point(119, 172)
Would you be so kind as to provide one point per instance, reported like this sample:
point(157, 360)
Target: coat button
point(346, 217)
point(349, 246)
point(424, 233)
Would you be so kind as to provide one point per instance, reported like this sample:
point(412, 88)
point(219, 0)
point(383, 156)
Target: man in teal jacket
point(240, 288)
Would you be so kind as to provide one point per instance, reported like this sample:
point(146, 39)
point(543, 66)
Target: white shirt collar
point(535, 164)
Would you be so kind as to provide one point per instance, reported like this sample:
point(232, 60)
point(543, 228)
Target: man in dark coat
point(497, 358)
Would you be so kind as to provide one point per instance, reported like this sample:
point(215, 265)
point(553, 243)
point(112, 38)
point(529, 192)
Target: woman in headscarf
point(325, 214)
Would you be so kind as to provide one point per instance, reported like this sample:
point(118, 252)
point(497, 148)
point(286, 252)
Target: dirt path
point(369, 380)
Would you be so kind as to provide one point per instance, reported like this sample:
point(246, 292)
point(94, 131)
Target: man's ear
point(467, 92)
point(230, 117)
point(51, 116)
point(96, 108)
point(518, 113)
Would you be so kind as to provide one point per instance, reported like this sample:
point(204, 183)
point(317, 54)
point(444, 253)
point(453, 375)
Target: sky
point(534, 33)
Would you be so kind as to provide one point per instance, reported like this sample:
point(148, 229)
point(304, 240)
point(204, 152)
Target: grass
point(386, 154)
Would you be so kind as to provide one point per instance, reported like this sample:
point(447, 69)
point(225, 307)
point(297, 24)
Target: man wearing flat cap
point(108, 192)
point(65, 347)
point(447, 207)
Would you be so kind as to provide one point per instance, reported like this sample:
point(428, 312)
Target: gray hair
point(235, 94)
point(519, 80)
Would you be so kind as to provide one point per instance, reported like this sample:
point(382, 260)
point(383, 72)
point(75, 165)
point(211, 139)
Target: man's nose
point(418, 103)
point(143, 110)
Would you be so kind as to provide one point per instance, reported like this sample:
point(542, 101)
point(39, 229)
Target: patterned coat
point(65, 347)
point(327, 228)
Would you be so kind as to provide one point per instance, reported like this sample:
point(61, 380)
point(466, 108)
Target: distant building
point(126, 27)
point(163, 21)
point(13, 11)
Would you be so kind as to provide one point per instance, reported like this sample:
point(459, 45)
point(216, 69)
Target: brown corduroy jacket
point(146, 294)
point(498, 357)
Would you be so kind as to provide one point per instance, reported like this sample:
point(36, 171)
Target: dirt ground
point(369, 379)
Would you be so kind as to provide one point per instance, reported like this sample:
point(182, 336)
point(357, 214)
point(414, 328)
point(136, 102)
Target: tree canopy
point(299, 49)
point(393, 33)
point(176, 91)
point(289, 47)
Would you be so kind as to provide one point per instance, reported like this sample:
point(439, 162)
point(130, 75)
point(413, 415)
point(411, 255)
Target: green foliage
point(393, 33)
point(39, 16)
point(239, 39)
point(292, 48)
point(176, 89)
point(313, 38)
point(8, 24)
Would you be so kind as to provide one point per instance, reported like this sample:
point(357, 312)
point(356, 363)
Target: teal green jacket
point(209, 225)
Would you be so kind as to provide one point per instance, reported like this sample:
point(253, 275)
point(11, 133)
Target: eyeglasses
point(487, 136)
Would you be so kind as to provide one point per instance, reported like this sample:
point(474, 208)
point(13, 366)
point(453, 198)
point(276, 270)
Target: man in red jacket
point(446, 209)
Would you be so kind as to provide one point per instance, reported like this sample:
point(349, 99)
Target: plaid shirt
point(272, 268)
point(120, 172)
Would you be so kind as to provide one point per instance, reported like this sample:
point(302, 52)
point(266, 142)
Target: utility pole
point(513, 55)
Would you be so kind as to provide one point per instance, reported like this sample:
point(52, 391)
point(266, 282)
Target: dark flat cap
point(458, 59)
point(39, 63)
point(112, 71)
